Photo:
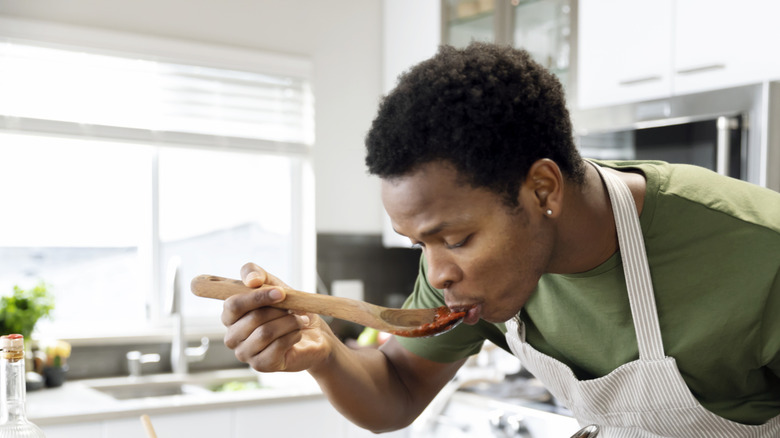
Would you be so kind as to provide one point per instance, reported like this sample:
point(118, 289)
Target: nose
point(442, 271)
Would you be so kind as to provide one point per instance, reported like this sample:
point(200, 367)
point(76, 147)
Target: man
point(644, 295)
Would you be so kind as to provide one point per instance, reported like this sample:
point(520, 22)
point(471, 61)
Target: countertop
point(83, 401)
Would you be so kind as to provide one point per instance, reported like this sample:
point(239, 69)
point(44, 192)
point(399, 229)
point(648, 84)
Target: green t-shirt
point(713, 245)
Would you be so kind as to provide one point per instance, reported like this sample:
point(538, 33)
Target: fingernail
point(251, 276)
point(275, 294)
point(305, 319)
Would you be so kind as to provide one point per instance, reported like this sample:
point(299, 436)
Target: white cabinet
point(77, 430)
point(634, 50)
point(211, 423)
point(314, 418)
point(623, 51)
point(722, 43)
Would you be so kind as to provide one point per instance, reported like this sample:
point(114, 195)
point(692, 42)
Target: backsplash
point(388, 274)
point(94, 361)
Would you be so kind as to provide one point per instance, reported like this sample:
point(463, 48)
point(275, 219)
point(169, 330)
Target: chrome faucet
point(181, 355)
point(135, 359)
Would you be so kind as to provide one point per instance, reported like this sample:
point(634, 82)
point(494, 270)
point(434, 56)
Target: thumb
point(253, 276)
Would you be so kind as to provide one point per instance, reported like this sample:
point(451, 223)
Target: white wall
point(407, 38)
point(341, 37)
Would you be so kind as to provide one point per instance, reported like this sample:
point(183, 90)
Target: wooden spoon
point(147, 422)
point(402, 322)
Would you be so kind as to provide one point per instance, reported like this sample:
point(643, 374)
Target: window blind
point(77, 92)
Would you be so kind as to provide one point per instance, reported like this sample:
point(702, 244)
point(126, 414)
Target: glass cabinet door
point(469, 20)
point(543, 27)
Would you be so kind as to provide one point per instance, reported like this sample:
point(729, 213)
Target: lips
point(473, 312)
point(472, 316)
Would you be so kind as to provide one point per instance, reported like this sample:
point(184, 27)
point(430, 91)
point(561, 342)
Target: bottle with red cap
point(13, 411)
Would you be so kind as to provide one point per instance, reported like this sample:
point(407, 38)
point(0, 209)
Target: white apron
point(646, 398)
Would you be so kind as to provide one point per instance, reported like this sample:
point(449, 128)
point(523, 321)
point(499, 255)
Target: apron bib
point(646, 398)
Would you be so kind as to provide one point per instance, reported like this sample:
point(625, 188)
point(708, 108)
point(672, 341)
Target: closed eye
point(459, 244)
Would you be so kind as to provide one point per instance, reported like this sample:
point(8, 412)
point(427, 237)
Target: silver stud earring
point(549, 212)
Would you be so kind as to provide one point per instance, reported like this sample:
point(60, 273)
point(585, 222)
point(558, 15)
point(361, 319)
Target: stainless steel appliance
point(474, 415)
point(493, 396)
point(734, 131)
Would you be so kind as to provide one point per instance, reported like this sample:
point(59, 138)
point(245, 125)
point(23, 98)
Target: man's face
point(479, 251)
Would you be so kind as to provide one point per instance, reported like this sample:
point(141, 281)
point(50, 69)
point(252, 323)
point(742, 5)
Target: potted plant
point(20, 311)
point(54, 355)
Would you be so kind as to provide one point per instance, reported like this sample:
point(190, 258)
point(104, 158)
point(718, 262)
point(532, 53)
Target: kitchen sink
point(167, 385)
point(153, 389)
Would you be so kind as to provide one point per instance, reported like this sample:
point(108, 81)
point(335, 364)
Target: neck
point(586, 234)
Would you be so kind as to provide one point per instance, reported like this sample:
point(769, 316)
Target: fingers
point(266, 347)
point(238, 305)
point(261, 335)
point(254, 276)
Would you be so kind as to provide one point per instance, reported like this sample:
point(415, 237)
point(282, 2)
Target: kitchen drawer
point(214, 423)
point(316, 418)
point(78, 430)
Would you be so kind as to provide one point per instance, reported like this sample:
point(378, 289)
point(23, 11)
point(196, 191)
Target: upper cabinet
point(542, 27)
point(723, 43)
point(623, 50)
point(634, 50)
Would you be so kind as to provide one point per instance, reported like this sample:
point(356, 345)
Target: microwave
point(734, 131)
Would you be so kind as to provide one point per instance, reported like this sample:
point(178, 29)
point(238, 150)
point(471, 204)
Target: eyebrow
point(429, 232)
point(434, 230)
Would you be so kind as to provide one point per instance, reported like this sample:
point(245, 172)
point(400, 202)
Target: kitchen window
point(115, 164)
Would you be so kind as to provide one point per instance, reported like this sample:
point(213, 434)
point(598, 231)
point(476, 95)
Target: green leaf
point(20, 311)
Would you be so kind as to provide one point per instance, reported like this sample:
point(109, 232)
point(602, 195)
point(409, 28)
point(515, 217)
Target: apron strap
point(635, 267)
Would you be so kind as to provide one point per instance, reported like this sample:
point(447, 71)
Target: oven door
point(715, 143)
point(733, 131)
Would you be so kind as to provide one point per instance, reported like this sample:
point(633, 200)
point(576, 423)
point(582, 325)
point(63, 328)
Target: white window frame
point(179, 51)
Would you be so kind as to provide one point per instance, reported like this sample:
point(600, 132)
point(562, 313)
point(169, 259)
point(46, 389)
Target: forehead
point(427, 182)
point(433, 192)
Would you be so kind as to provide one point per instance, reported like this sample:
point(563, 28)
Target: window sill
point(131, 336)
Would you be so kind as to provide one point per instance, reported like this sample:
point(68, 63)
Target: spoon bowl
point(401, 322)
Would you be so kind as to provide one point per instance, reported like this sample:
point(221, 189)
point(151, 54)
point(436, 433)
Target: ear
point(545, 182)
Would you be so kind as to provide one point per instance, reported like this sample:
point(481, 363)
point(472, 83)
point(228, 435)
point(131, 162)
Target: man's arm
point(385, 389)
point(380, 390)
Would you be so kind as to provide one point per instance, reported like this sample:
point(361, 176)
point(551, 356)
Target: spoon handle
point(211, 286)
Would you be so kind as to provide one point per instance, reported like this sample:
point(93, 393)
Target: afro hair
point(489, 110)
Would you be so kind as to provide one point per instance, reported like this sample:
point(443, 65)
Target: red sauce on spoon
point(442, 321)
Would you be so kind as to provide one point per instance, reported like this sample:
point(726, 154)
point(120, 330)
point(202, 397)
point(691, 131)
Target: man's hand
point(271, 339)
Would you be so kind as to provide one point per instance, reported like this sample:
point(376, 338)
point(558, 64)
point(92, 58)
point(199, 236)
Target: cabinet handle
point(701, 69)
point(637, 81)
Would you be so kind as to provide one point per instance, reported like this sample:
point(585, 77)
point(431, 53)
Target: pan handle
point(590, 431)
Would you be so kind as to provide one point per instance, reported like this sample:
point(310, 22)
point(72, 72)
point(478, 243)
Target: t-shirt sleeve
point(770, 329)
point(458, 343)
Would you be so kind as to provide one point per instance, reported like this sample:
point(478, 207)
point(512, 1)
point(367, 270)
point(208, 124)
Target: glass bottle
point(13, 415)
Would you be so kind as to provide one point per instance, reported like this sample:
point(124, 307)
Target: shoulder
point(680, 185)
